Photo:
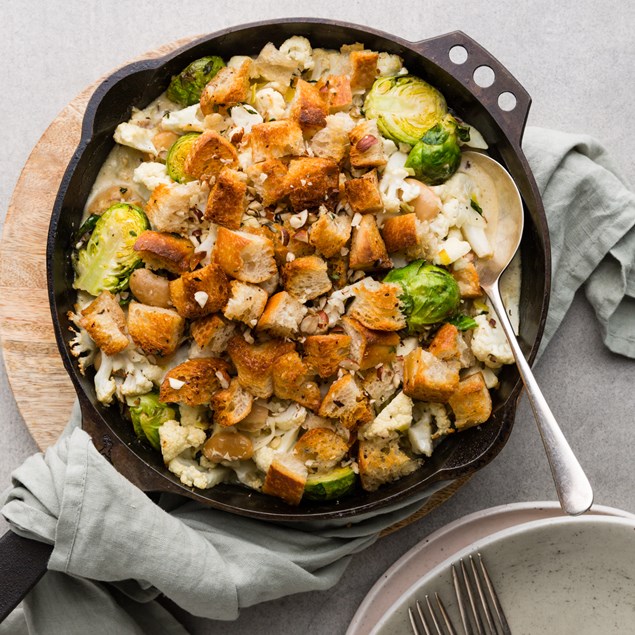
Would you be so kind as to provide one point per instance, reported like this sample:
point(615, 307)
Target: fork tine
point(444, 615)
point(423, 619)
point(467, 629)
point(433, 616)
point(413, 622)
point(494, 598)
point(468, 587)
point(481, 595)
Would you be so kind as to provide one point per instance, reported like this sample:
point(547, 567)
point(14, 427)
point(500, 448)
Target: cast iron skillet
point(139, 83)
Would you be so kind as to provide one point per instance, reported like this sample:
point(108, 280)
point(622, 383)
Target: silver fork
point(479, 606)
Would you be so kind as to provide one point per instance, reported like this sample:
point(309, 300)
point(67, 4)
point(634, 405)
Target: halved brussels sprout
point(334, 484)
point(186, 87)
point(405, 107)
point(176, 157)
point(148, 414)
point(430, 294)
point(437, 156)
point(108, 258)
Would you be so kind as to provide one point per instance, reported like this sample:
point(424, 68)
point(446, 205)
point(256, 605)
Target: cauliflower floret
point(336, 304)
point(263, 457)
point(278, 442)
point(299, 49)
point(245, 117)
point(175, 439)
point(389, 65)
point(420, 436)
point(246, 472)
point(290, 418)
point(431, 422)
point(270, 104)
point(195, 416)
point(151, 174)
point(127, 134)
point(489, 343)
point(82, 346)
point(393, 187)
point(193, 475)
point(188, 119)
point(395, 417)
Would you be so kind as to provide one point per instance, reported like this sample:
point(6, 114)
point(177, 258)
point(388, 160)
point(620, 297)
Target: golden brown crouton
point(336, 91)
point(194, 382)
point(244, 256)
point(308, 107)
point(246, 302)
point(367, 150)
point(346, 401)
point(159, 250)
point(338, 271)
point(209, 154)
point(332, 140)
point(330, 233)
point(282, 315)
point(105, 322)
point(286, 479)
point(364, 64)
point(428, 378)
point(229, 86)
point(400, 232)
point(276, 139)
point(382, 461)
point(154, 330)
point(370, 348)
point(212, 333)
point(468, 281)
point(368, 252)
point(269, 179)
point(172, 208)
point(200, 292)
point(254, 363)
point(449, 346)
point(471, 402)
point(291, 380)
point(311, 182)
point(320, 449)
point(231, 405)
point(377, 306)
point(363, 194)
point(226, 201)
point(306, 278)
point(323, 353)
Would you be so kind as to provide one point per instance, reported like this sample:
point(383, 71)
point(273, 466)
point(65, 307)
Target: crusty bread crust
point(400, 232)
point(428, 378)
point(308, 107)
point(282, 315)
point(382, 462)
point(209, 154)
point(245, 256)
point(306, 278)
point(246, 302)
point(471, 402)
point(336, 91)
point(320, 449)
point(269, 179)
point(276, 139)
point(212, 332)
point(346, 401)
point(330, 233)
point(367, 150)
point(292, 380)
point(323, 353)
point(226, 201)
point(229, 86)
point(363, 194)
point(468, 281)
point(155, 330)
point(368, 252)
point(105, 322)
point(285, 482)
point(377, 307)
point(312, 182)
point(209, 279)
point(201, 381)
point(364, 65)
point(231, 405)
point(160, 250)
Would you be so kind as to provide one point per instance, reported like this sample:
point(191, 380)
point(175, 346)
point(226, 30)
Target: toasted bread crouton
point(226, 201)
point(212, 333)
point(428, 378)
point(377, 306)
point(154, 330)
point(279, 237)
point(336, 92)
point(254, 363)
point(368, 252)
point(346, 401)
point(209, 154)
point(159, 250)
point(364, 64)
point(173, 208)
point(338, 271)
point(194, 382)
point(320, 449)
point(382, 461)
point(286, 479)
point(276, 139)
point(311, 182)
point(200, 292)
point(105, 322)
point(244, 256)
point(306, 278)
point(363, 194)
point(370, 348)
point(308, 108)
point(367, 150)
point(379, 384)
point(231, 405)
point(292, 380)
point(400, 232)
point(229, 86)
point(323, 353)
point(449, 345)
point(269, 179)
point(282, 315)
point(468, 281)
point(471, 402)
point(330, 233)
point(246, 302)
point(332, 140)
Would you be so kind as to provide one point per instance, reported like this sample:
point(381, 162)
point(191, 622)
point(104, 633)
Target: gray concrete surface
point(574, 58)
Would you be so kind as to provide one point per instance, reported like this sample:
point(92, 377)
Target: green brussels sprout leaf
point(186, 87)
point(148, 414)
point(463, 322)
point(330, 486)
point(85, 230)
point(430, 294)
point(108, 258)
point(462, 132)
point(405, 107)
point(475, 206)
point(177, 154)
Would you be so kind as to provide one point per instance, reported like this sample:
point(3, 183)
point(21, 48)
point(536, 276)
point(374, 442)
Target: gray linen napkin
point(212, 563)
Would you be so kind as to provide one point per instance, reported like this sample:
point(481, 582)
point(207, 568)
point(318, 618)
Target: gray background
point(576, 60)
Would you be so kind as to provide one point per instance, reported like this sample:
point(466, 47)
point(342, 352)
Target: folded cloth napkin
point(115, 550)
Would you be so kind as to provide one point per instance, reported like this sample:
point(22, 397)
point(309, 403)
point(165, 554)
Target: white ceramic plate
point(446, 542)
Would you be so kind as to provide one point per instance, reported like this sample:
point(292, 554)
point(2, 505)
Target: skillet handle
point(512, 122)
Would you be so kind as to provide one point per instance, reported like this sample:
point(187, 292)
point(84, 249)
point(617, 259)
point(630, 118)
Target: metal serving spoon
point(573, 487)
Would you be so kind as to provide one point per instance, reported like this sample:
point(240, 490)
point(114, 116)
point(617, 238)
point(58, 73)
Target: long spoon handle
point(572, 485)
